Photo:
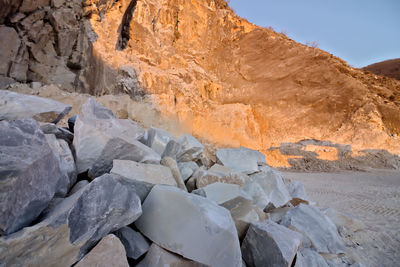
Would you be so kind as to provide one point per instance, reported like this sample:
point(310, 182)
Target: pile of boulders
point(107, 192)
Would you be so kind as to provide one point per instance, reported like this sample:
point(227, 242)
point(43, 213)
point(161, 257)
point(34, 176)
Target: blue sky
point(361, 32)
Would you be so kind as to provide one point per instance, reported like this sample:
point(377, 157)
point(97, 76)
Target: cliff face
point(223, 78)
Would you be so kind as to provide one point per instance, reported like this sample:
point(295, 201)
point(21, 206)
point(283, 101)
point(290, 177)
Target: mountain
point(224, 79)
point(389, 68)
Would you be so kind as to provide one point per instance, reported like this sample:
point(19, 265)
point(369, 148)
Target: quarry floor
point(373, 197)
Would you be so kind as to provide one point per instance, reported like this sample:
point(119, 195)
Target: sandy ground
point(373, 197)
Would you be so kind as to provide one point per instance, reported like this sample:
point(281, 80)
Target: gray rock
point(135, 244)
point(78, 186)
point(172, 149)
point(14, 106)
point(9, 43)
point(157, 139)
point(190, 225)
point(100, 138)
point(297, 190)
point(308, 257)
point(71, 228)
point(219, 173)
point(270, 244)
point(267, 187)
point(342, 220)
point(240, 159)
point(108, 252)
point(6, 81)
point(150, 173)
point(66, 163)
point(159, 257)
point(191, 148)
point(187, 169)
point(29, 174)
point(317, 227)
point(173, 166)
point(59, 132)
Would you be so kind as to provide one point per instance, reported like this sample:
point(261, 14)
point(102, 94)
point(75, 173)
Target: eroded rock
point(190, 225)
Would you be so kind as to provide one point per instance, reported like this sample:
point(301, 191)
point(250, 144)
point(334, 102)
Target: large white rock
point(108, 252)
point(317, 227)
point(100, 138)
point(297, 190)
point(14, 106)
point(150, 173)
point(267, 187)
point(190, 225)
point(187, 169)
point(270, 244)
point(240, 159)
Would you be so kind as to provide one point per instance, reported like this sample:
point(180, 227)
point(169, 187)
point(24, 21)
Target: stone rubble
point(240, 213)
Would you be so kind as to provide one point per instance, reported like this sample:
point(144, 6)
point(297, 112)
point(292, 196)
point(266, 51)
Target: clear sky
point(361, 32)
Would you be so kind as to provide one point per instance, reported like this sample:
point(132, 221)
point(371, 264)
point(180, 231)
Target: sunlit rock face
point(239, 84)
point(223, 78)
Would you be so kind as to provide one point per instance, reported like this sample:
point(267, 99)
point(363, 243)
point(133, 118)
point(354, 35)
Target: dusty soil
point(373, 197)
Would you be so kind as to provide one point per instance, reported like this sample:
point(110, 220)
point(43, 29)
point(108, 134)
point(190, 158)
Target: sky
point(361, 32)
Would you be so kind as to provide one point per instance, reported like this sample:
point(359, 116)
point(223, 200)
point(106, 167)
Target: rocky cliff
point(223, 78)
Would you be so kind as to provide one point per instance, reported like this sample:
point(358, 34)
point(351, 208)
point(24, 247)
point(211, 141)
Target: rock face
point(318, 228)
point(240, 159)
point(191, 226)
point(108, 252)
point(135, 244)
point(71, 227)
point(159, 257)
point(14, 106)
point(29, 173)
point(270, 244)
point(100, 138)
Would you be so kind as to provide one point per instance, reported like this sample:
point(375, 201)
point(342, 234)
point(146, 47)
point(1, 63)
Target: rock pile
point(107, 192)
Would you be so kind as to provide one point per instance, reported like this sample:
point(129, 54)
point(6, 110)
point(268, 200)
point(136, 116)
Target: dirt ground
point(373, 197)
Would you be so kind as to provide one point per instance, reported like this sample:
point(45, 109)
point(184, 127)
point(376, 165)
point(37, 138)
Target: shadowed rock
point(270, 244)
point(15, 106)
point(71, 227)
point(29, 171)
point(190, 225)
point(108, 252)
point(317, 227)
point(187, 169)
point(191, 148)
point(157, 139)
point(135, 244)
